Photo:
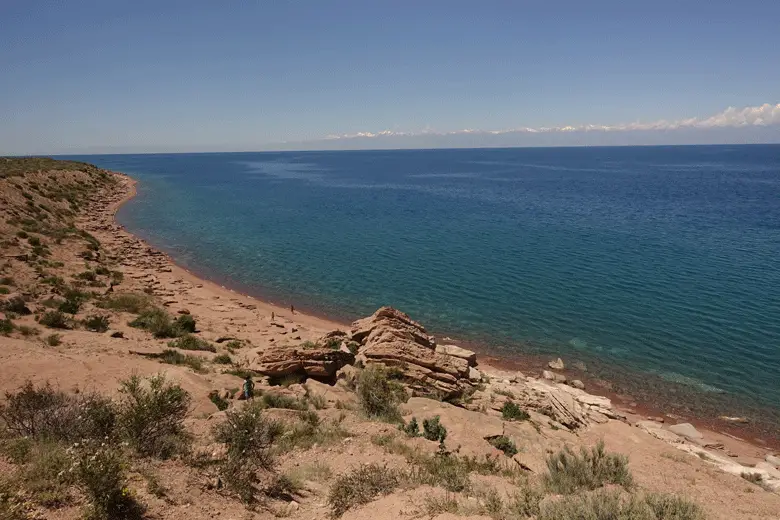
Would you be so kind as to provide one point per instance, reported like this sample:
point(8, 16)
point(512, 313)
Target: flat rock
point(773, 459)
point(657, 431)
point(454, 350)
point(475, 376)
point(552, 376)
point(686, 430)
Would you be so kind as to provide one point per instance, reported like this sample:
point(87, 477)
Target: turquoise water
point(663, 261)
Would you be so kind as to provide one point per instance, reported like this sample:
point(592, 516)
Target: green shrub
point(16, 305)
point(361, 486)
point(275, 400)
point(26, 331)
point(53, 340)
point(45, 413)
point(45, 476)
point(34, 241)
point(311, 431)
point(100, 472)
point(613, 504)
point(70, 306)
point(412, 429)
point(222, 359)
point(151, 415)
point(249, 438)
point(174, 357)
point(54, 320)
point(134, 303)
point(190, 342)
point(159, 323)
point(218, 401)
point(88, 276)
point(6, 326)
point(378, 395)
point(433, 430)
point(185, 323)
point(4, 290)
point(511, 412)
point(96, 323)
point(102, 270)
point(591, 469)
point(6, 280)
point(504, 444)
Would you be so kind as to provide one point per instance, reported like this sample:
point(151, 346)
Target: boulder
point(456, 351)
point(552, 376)
point(395, 320)
point(556, 364)
point(686, 430)
point(475, 376)
point(319, 361)
point(577, 384)
point(657, 431)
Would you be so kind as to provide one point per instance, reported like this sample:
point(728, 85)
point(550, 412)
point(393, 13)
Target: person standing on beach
point(249, 388)
point(292, 309)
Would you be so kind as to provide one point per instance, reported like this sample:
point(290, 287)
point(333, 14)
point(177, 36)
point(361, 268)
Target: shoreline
point(529, 364)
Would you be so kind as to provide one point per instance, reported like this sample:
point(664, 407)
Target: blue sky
point(205, 75)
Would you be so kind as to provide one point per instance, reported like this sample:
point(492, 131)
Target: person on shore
point(249, 388)
point(273, 316)
point(292, 309)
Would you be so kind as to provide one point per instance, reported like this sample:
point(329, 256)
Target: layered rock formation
point(391, 338)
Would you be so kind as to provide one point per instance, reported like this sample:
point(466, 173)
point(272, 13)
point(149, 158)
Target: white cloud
point(763, 115)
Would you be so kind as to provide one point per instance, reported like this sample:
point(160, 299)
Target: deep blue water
point(662, 260)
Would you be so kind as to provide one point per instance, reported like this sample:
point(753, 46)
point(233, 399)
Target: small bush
point(100, 473)
point(218, 401)
point(52, 303)
point(26, 331)
point(190, 342)
point(45, 413)
point(185, 323)
point(318, 401)
point(614, 505)
point(102, 270)
point(135, 303)
point(54, 320)
point(156, 321)
point(249, 438)
point(311, 431)
point(174, 357)
point(96, 323)
point(45, 475)
point(70, 306)
point(88, 276)
point(53, 340)
point(591, 469)
point(412, 429)
point(433, 430)
point(378, 395)
point(222, 359)
point(504, 444)
point(275, 400)
point(4, 290)
point(6, 326)
point(511, 412)
point(361, 486)
point(6, 280)
point(151, 415)
point(16, 305)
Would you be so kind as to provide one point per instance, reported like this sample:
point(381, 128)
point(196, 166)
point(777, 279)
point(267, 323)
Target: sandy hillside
point(321, 437)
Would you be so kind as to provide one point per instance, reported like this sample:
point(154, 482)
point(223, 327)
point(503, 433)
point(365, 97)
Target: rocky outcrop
point(391, 338)
point(456, 351)
point(309, 360)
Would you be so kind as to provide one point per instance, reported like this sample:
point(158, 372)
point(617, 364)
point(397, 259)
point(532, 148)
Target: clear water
point(660, 260)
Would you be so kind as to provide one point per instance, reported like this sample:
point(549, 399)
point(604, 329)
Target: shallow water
point(661, 260)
